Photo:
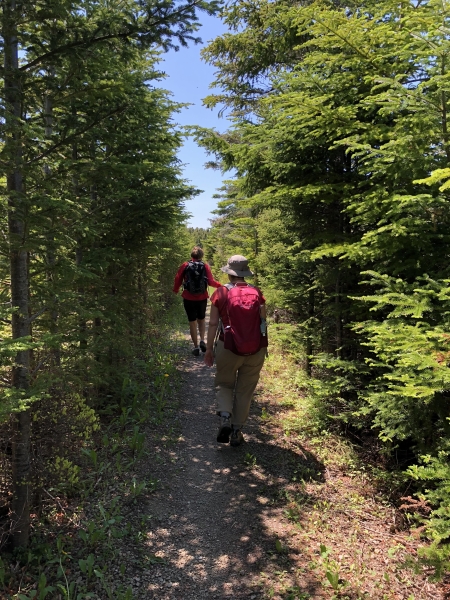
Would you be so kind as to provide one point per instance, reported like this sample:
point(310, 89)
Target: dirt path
point(295, 513)
point(211, 512)
point(225, 522)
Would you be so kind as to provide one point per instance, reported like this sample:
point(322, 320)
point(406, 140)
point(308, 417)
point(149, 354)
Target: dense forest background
point(92, 220)
point(340, 145)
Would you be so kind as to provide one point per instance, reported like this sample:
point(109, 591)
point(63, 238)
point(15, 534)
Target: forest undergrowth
point(350, 511)
point(342, 509)
point(86, 541)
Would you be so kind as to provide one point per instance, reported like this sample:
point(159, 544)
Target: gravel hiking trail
point(217, 525)
point(214, 528)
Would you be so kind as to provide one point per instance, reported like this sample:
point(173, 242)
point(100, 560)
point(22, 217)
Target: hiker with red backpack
point(195, 276)
point(238, 316)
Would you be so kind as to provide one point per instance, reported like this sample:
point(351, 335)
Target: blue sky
point(189, 78)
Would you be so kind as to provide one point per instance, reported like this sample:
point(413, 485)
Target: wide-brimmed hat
point(237, 265)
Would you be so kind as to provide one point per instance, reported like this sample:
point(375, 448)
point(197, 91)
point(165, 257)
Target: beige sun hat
point(237, 265)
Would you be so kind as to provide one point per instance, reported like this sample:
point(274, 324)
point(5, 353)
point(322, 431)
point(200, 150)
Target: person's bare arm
point(212, 330)
point(179, 278)
point(262, 314)
point(211, 281)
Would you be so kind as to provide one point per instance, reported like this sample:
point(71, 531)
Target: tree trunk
point(20, 507)
point(338, 317)
point(51, 250)
point(309, 338)
point(82, 326)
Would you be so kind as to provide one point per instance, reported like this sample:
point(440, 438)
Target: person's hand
point(208, 358)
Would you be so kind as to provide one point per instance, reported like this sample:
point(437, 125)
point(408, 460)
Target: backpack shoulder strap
point(230, 286)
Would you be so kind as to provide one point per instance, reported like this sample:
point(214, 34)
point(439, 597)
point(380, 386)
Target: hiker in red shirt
point(195, 276)
point(239, 310)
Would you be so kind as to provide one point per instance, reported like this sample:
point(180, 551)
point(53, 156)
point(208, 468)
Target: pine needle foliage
point(91, 216)
point(339, 141)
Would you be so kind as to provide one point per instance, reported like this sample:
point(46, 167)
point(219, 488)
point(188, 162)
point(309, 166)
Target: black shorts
point(195, 309)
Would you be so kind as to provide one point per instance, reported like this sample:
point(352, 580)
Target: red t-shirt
point(179, 278)
point(219, 299)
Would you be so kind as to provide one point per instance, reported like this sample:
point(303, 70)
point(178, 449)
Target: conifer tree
point(59, 63)
point(339, 138)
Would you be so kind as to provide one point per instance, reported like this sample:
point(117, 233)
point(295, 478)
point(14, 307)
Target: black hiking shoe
point(223, 435)
point(202, 346)
point(196, 351)
point(236, 438)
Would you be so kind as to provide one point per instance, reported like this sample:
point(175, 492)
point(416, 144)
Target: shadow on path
point(217, 522)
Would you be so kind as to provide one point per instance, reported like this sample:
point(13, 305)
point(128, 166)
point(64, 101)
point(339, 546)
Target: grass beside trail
point(88, 539)
point(341, 527)
point(344, 524)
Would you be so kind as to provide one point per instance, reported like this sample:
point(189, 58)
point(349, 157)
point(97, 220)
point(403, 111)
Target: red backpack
point(242, 323)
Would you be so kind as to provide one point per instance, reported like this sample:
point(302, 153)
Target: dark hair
point(197, 253)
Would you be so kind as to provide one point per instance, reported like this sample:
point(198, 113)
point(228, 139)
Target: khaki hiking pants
point(236, 379)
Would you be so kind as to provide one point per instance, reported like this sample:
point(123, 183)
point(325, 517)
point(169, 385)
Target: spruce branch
point(131, 32)
point(71, 138)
